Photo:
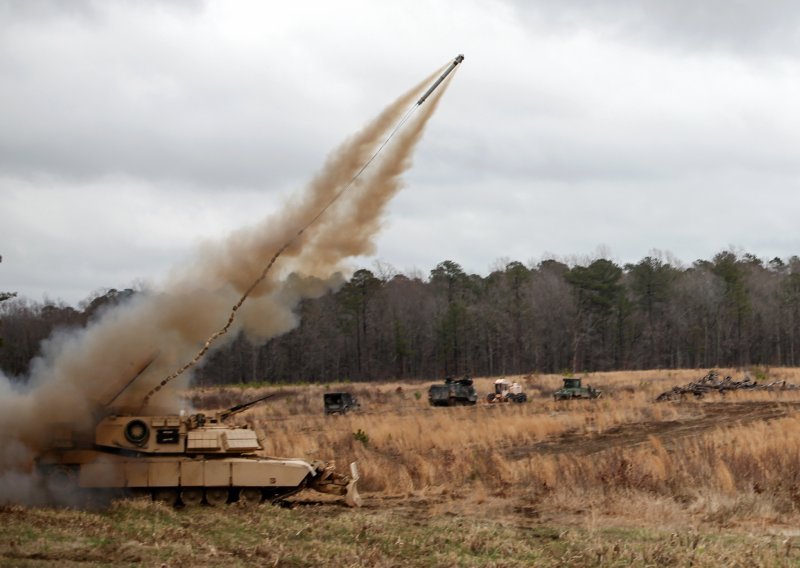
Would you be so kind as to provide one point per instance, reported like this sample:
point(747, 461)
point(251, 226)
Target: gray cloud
point(21, 12)
point(120, 88)
point(29, 11)
point(153, 126)
point(745, 27)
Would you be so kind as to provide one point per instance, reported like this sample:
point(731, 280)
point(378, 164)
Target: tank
point(183, 460)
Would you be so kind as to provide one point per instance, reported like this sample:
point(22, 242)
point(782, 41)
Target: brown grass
point(617, 481)
point(560, 456)
point(134, 532)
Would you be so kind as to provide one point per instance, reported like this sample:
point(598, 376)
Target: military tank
point(183, 460)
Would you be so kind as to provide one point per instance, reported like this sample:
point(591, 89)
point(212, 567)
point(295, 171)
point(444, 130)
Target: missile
point(447, 71)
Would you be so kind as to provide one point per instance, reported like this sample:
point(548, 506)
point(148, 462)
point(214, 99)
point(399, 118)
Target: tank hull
point(181, 479)
point(99, 470)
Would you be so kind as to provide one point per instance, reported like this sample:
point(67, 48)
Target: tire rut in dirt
point(713, 415)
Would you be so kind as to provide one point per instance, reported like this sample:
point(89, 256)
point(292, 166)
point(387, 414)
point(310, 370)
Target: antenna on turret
point(242, 407)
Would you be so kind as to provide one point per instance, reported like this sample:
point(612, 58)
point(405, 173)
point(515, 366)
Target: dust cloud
point(79, 372)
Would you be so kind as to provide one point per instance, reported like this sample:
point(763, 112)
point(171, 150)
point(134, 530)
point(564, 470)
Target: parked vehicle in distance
point(339, 402)
point(573, 388)
point(506, 391)
point(453, 392)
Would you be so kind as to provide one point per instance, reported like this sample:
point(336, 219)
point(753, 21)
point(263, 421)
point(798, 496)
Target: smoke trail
point(78, 372)
point(361, 214)
point(240, 259)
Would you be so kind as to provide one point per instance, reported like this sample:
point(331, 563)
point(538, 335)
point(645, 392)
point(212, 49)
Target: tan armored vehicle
point(184, 460)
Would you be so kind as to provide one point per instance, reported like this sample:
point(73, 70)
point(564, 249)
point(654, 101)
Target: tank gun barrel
point(242, 407)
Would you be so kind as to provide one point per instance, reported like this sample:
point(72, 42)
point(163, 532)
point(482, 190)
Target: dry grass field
point(616, 481)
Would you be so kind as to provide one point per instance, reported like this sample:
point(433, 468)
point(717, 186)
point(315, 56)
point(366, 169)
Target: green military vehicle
point(574, 389)
point(340, 402)
point(453, 392)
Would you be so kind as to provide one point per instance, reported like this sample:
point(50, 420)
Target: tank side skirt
point(120, 472)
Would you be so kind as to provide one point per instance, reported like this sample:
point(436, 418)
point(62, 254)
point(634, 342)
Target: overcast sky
point(130, 132)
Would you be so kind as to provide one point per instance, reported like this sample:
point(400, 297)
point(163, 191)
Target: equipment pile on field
point(712, 383)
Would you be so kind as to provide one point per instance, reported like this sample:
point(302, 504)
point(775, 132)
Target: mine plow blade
point(328, 481)
point(352, 497)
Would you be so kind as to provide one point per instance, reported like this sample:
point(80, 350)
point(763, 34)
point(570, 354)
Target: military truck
point(453, 392)
point(574, 389)
point(181, 460)
point(506, 391)
point(339, 402)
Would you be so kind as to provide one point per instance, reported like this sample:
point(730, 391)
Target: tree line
point(733, 310)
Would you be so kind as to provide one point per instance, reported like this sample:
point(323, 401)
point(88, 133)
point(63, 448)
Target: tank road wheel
point(139, 494)
point(216, 496)
point(61, 485)
point(165, 495)
point(192, 497)
point(250, 496)
point(62, 480)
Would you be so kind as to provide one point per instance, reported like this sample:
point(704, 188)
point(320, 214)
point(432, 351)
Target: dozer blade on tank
point(183, 460)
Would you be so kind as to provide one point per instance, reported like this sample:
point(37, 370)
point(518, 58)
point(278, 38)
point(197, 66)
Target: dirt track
point(700, 418)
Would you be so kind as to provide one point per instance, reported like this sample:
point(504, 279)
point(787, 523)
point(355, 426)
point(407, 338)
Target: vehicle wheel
point(192, 497)
point(250, 496)
point(165, 496)
point(216, 496)
point(489, 397)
